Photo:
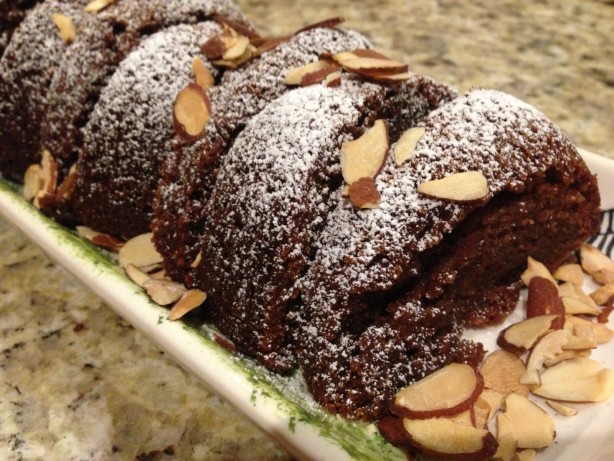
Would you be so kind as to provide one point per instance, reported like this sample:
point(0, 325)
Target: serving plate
point(279, 405)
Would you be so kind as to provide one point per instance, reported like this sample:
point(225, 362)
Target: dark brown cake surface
point(271, 200)
point(12, 12)
point(189, 176)
point(131, 129)
point(438, 263)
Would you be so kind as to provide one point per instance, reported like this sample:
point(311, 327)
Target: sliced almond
point(440, 436)
point(191, 112)
point(197, 260)
point(204, 77)
point(604, 316)
point(525, 455)
point(406, 145)
point(32, 181)
point(333, 79)
point(382, 64)
point(546, 348)
point(536, 268)
point(163, 292)
point(136, 275)
point(66, 28)
point(532, 426)
point(566, 355)
point(364, 157)
point(215, 47)
point(561, 409)
point(446, 392)
point(364, 194)
point(267, 44)
point(502, 371)
point(543, 299)
point(385, 77)
point(237, 49)
point(325, 24)
point(50, 172)
point(601, 333)
point(574, 306)
point(99, 238)
point(296, 75)
point(577, 380)
point(459, 187)
point(603, 294)
point(318, 76)
point(522, 336)
point(494, 400)
point(598, 265)
point(506, 439)
point(570, 273)
point(97, 5)
point(139, 251)
point(67, 186)
point(481, 412)
point(190, 300)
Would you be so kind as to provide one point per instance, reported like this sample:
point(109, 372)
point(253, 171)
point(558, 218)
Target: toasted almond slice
point(364, 157)
point(295, 76)
point(561, 409)
point(406, 145)
point(136, 275)
point(532, 426)
point(566, 355)
point(215, 47)
point(603, 294)
point(364, 194)
point(570, 273)
point(502, 371)
point(237, 49)
point(494, 400)
point(446, 392)
point(159, 275)
point(325, 24)
point(597, 264)
point(525, 455)
point(440, 436)
point(523, 335)
point(380, 65)
point(191, 112)
point(333, 79)
point(67, 186)
point(506, 439)
point(50, 172)
point(97, 5)
point(204, 77)
point(546, 348)
point(319, 76)
point(163, 292)
point(190, 300)
point(574, 306)
point(66, 28)
point(604, 316)
point(98, 238)
point(571, 290)
point(197, 260)
point(33, 181)
point(543, 299)
point(601, 333)
point(577, 380)
point(580, 337)
point(386, 77)
point(536, 268)
point(481, 412)
point(459, 187)
point(139, 251)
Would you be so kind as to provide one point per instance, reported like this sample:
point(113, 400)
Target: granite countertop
point(79, 383)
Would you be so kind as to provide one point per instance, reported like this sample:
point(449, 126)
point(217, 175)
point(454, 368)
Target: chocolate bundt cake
point(389, 287)
point(12, 12)
point(271, 199)
point(189, 175)
point(130, 131)
point(26, 71)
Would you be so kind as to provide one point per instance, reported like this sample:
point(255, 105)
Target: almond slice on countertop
point(406, 145)
point(535, 268)
point(443, 437)
point(204, 77)
point(163, 292)
point(561, 409)
point(601, 333)
point(546, 349)
point(33, 181)
point(66, 28)
point(574, 306)
point(189, 300)
point(97, 5)
point(522, 336)
point(366, 155)
point(364, 194)
point(458, 187)
point(597, 264)
point(139, 251)
point(570, 273)
point(449, 391)
point(99, 238)
point(502, 371)
point(532, 426)
point(577, 380)
point(191, 112)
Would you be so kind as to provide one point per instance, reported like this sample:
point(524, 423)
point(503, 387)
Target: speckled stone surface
point(78, 383)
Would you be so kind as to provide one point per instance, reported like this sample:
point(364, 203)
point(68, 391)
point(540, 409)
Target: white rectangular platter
point(280, 405)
